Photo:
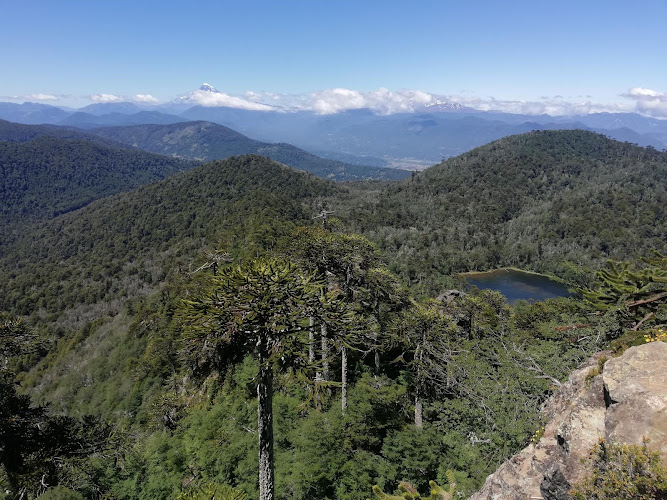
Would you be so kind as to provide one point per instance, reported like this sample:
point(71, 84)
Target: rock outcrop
point(625, 404)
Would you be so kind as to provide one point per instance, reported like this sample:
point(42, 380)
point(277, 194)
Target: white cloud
point(648, 101)
point(211, 99)
point(556, 106)
point(327, 101)
point(381, 101)
point(146, 99)
point(41, 97)
point(657, 108)
point(262, 96)
point(106, 98)
point(641, 93)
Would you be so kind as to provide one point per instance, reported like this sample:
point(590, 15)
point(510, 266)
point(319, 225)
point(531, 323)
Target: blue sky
point(478, 52)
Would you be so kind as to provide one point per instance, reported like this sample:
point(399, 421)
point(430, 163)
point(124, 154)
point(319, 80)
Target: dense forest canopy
point(390, 375)
point(45, 176)
point(538, 200)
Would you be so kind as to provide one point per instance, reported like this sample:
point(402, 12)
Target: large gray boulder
point(625, 404)
point(636, 394)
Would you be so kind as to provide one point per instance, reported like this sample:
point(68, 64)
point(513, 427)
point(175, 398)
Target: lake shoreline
point(518, 284)
point(503, 269)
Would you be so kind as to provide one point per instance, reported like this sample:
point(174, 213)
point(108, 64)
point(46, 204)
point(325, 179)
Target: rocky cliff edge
point(624, 404)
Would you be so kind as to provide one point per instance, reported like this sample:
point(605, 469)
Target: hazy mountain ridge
point(208, 141)
point(427, 134)
point(18, 132)
point(116, 119)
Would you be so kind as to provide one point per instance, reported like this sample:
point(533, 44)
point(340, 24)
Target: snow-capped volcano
point(209, 88)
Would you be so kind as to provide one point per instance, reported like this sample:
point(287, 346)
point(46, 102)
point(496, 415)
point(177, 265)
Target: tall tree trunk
point(343, 377)
point(311, 341)
point(265, 430)
point(376, 351)
point(419, 407)
point(376, 355)
point(311, 361)
point(325, 352)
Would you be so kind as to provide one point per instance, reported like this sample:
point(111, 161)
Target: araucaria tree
point(260, 308)
point(344, 262)
point(636, 293)
point(426, 337)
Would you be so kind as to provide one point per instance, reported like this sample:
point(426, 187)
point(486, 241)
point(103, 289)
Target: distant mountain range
point(432, 132)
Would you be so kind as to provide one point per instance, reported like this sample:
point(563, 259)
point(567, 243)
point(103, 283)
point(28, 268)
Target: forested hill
point(18, 132)
point(208, 141)
point(120, 245)
point(107, 287)
point(531, 200)
point(47, 176)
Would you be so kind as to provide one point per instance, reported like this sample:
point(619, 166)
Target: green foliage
point(104, 286)
point(413, 455)
point(622, 471)
point(124, 246)
point(534, 201)
point(635, 294)
point(258, 306)
point(60, 493)
point(428, 341)
point(408, 492)
point(211, 491)
point(347, 258)
point(38, 449)
point(16, 342)
point(46, 176)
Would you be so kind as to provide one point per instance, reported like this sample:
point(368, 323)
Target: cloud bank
point(640, 100)
point(648, 101)
point(40, 97)
point(556, 106)
point(146, 99)
point(212, 98)
point(383, 101)
point(645, 101)
point(105, 98)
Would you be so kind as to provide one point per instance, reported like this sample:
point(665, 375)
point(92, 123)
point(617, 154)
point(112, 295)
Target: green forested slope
point(101, 283)
point(47, 176)
point(117, 244)
point(105, 285)
point(534, 200)
point(208, 141)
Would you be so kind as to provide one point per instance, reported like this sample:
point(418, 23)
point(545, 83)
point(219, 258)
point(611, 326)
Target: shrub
point(622, 471)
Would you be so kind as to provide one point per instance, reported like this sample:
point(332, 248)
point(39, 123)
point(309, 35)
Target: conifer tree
point(424, 335)
point(637, 293)
point(343, 261)
point(260, 308)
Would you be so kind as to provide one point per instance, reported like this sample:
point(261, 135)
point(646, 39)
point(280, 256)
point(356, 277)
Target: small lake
point(517, 285)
